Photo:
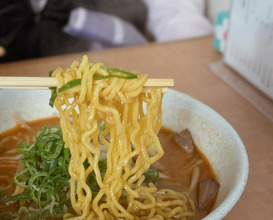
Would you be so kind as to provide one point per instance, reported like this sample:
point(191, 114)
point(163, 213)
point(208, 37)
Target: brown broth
point(173, 164)
point(8, 154)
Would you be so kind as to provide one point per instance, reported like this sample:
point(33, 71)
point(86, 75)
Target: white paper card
point(249, 48)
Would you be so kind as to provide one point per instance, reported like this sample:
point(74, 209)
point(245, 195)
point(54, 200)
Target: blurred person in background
point(37, 28)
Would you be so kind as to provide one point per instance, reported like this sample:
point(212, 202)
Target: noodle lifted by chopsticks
point(133, 120)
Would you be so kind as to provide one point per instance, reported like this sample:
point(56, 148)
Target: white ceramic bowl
point(214, 136)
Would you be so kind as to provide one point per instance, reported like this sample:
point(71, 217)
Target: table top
point(187, 63)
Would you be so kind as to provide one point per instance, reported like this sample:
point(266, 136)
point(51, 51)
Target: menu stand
point(258, 99)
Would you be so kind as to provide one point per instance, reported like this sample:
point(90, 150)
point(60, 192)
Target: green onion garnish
point(76, 82)
point(116, 70)
point(151, 175)
point(102, 126)
point(45, 171)
point(117, 76)
point(69, 85)
point(50, 73)
point(54, 91)
point(9, 214)
point(53, 97)
point(45, 214)
point(23, 196)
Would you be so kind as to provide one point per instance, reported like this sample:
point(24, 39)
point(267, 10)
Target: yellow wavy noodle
point(132, 118)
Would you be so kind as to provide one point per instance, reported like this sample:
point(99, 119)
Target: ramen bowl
point(213, 135)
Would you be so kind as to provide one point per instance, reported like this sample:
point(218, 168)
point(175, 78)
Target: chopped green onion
point(8, 213)
point(21, 178)
point(76, 82)
point(151, 175)
point(116, 70)
point(91, 179)
point(45, 214)
point(102, 167)
point(129, 75)
point(50, 73)
point(54, 152)
point(54, 92)
point(53, 97)
point(102, 126)
point(67, 155)
point(45, 170)
point(23, 196)
point(69, 85)
point(117, 76)
point(26, 148)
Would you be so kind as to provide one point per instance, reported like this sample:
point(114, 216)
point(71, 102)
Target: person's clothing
point(177, 19)
point(28, 30)
point(103, 29)
point(37, 28)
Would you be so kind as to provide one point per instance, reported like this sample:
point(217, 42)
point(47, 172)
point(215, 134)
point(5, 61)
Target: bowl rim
point(242, 172)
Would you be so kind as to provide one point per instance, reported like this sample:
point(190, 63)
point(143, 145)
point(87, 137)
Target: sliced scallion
point(151, 175)
point(23, 196)
point(70, 85)
point(53, 97)
point(45, 214)
point(116, 70)
point(117, 76)
point(76, 82)
point(50, 73)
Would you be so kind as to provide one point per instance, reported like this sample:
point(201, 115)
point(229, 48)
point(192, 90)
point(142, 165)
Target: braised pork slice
point(207, 191)
point(185, 141)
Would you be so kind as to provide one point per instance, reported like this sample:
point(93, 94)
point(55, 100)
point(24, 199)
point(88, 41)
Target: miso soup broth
point(183, 167)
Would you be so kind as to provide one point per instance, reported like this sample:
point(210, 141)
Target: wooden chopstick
point(46, 82)
point(28, 82)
